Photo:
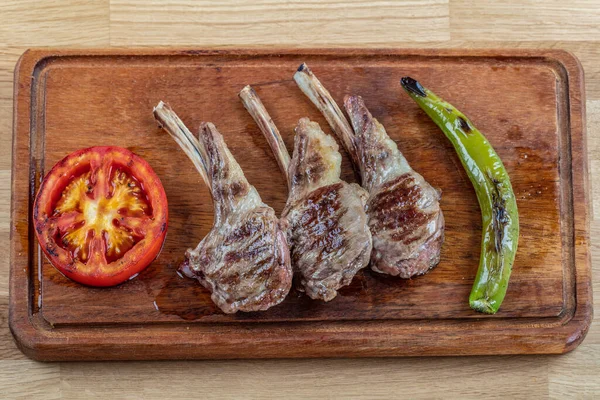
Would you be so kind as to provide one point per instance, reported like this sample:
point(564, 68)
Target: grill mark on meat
point(395, 208)
point(247, 229)
point(404, 214)
point(259, 268)
point(313, 164)
point(255, 250)
point(244, 259)
point(314, 167)
point(250, 260)
point(406, 221)
point(319, 225)
point(398, 192)
point(328, 233)
point(324, 217)
point(373, 155)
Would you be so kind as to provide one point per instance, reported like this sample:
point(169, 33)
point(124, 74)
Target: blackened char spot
point(413, 86)
point(464, 125)
point(499, 215)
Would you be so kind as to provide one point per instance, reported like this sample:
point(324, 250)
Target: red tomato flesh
point(101, 215)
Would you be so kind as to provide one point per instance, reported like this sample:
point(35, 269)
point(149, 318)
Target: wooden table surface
point(572, 25)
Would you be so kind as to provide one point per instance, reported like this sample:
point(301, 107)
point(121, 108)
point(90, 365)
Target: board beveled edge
point(39, 341)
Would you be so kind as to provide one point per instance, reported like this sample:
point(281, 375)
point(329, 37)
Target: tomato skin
point(97, 271)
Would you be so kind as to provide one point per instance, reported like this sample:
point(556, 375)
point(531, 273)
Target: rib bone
point(244, 259)
point(327, 225)
point(405, 218)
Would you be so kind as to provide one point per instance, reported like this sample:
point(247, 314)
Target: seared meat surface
point(405, 218)
point(244, 260)
point(326, 220)
point(328, 226)
point(404, 210)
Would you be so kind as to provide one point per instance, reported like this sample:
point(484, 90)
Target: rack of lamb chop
point(327, 224)
point(404, 212)
point(244, 260)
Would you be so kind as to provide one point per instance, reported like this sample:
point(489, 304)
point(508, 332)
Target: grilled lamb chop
point(244, 260)
point(327, 232)
point(404, 212)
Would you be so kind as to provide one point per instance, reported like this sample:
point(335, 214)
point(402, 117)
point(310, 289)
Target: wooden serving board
point(530, 104)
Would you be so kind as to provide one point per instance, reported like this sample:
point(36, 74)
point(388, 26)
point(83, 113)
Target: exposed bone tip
point(303, 121)
point(353, 99)
point(207, 127)
point(161, 106)
point(246, 89)
point(303, 67)
point(156, 112)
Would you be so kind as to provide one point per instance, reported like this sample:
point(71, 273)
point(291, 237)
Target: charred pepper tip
point(483, 306)
point(413, 86)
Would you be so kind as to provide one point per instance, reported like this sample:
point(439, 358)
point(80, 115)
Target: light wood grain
point(593, 110)
point(8, 58)
point(23, 379)
point(524, 20)
point(326, 379)
point(573, 375)
point(55, 22)
point(240, 22)
point(593, 337)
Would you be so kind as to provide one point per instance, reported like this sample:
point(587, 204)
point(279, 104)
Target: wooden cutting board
point(530, 105)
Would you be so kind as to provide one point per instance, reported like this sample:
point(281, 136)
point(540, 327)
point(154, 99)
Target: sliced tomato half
point(101, 215)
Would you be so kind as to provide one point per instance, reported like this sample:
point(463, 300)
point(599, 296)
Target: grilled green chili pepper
point(499, 214)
